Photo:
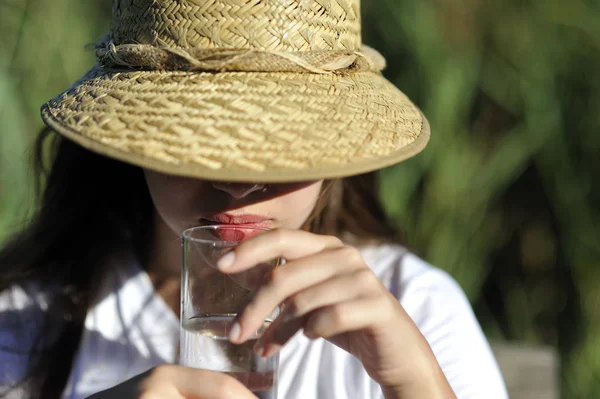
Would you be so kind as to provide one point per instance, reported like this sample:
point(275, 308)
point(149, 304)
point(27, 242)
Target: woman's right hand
point(178, 382)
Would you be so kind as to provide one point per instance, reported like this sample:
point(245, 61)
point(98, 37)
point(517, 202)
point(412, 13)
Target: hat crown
point(273, 25)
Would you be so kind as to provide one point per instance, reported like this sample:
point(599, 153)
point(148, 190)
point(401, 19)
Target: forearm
point(428, 383)
point(423, 389)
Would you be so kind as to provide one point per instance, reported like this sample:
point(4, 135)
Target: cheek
point(172, 197)
point(299, 205)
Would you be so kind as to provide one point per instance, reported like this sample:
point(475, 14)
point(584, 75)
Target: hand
point(177, 382)
point(329, 292)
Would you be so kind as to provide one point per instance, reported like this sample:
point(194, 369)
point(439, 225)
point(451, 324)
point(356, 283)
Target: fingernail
point(269, 350)
point(227, 260)
point(259, 349)
point(235, 331)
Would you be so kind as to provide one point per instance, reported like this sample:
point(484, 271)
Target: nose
point(238, 190)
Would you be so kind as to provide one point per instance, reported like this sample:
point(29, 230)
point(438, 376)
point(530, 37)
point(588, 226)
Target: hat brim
point(240, 126)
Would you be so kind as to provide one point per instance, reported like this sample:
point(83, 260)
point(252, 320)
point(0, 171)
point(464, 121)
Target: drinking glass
point(210, 300)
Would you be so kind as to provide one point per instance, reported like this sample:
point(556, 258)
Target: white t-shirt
point(131, 329)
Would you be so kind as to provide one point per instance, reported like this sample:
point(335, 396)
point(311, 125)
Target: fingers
point(327, 293)
point(348, 316)
point(288, 244)
point(290, 279)
point(176, 382)
point(326, 287)
point(277, 335)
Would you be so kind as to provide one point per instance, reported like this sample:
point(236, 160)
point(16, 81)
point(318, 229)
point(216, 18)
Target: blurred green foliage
point(505, 197)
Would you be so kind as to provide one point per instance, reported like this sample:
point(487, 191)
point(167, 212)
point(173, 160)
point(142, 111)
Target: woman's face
point(184, 202)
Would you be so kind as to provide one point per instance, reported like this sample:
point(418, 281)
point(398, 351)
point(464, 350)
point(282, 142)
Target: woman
point(235, 113)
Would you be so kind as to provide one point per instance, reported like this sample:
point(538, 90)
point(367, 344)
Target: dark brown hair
point(92, 206)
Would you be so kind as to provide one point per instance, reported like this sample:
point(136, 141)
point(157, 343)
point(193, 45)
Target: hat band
point(146, 56)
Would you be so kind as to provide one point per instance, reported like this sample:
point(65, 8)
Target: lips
point(236, 220)
point(238, 228)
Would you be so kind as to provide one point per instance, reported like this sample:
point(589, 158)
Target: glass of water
point(210, 300)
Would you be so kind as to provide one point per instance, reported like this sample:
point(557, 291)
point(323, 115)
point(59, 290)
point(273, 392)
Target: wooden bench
point(529, 372)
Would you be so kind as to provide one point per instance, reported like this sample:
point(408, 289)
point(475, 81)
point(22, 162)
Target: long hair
point(92, 206)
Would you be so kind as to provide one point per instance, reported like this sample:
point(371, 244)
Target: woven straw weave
point(240, 90)
point(276, 25)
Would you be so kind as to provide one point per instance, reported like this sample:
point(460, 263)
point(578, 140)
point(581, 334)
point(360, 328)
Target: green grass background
point(505, 197)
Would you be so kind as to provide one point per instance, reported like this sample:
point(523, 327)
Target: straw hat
point(240, 90)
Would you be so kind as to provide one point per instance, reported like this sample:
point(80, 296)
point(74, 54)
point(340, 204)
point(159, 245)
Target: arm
point(177, 382)
point(330, 293)
point(444, 316)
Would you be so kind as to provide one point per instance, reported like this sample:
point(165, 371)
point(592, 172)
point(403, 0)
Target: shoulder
point(409, 277)
point(428, 294)
point(440, 309)
point(21, 297)
point(21, 308)
point(21, 317)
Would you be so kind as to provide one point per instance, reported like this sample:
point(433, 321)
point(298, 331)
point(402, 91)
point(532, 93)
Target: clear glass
point(209, 302)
